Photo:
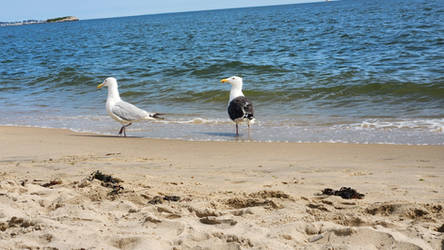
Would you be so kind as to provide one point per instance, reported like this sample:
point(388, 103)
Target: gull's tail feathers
point(157, 116)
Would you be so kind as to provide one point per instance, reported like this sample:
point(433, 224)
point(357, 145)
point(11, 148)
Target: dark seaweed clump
point(107, 181)
point(344, 192)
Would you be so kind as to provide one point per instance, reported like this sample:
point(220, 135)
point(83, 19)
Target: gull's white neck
point(113, 93)
point(236, 91)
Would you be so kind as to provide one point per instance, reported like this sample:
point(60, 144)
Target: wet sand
point(170, 194)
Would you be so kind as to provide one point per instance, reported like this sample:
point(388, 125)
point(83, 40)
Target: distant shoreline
point(51, 20)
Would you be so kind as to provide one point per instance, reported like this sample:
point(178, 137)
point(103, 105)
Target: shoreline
point(160, 130)
point(69, 132)
point(226, 195)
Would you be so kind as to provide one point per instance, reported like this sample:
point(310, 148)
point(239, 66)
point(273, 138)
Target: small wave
point(339, 95)
point(432, 125)
point(219, 68)
point(405, 90)
point(208, 96)
point(196, 120)
point(134, 93)
point(9, 88)
point(65, 77)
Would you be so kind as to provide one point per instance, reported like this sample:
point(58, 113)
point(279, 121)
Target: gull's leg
point(124, 129)
point(237, 129)
point(248, 129)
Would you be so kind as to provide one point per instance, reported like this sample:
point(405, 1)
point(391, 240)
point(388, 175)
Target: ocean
point(350, 71)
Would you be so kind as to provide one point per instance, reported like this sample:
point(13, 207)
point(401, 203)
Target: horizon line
point(173, 12)
point(217, 9)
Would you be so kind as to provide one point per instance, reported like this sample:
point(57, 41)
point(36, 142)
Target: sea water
point(339, 71)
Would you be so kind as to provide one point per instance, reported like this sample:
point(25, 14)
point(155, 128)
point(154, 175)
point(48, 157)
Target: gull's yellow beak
point(100, 85)
point(224, 80)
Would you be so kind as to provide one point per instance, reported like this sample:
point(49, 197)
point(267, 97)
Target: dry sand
point(214, 195)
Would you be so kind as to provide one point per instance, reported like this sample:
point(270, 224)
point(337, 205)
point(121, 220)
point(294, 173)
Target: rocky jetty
point(62, 19)
point(52, 20)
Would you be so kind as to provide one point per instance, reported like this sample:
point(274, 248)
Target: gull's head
point(235, 81)
point(110, 81)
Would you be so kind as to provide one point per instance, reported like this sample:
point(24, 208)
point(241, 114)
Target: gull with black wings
point(240, 109)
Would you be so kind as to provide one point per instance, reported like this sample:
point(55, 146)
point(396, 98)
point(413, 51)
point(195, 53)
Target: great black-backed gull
point(240, 109)
point(121, 111)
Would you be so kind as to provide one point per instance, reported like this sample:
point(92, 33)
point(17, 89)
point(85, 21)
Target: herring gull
point(240, 109)
point(121, 111)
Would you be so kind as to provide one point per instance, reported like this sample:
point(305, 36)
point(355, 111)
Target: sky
point(18, 10)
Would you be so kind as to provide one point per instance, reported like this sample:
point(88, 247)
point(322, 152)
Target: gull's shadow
point(221, 134)
point(230, 135)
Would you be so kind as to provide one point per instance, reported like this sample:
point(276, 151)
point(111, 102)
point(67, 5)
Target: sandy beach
point(65, 190)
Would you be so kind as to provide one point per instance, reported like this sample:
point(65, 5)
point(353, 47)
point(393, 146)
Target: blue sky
point(17, 10)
